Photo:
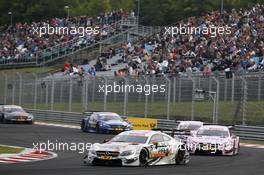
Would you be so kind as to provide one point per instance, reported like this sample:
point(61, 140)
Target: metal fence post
point(152, 95)
point(169, 97)
point(20, 89)
point(146, 101)
point(47, 95)
point(210, 84)
point(233, 89)
point(100, 47)
point(259, 87)
point(225, 90)
point(174, 90)
point(83, 86)
point(35, 90)
point(244, 85)
point(52, 94)
point(86, 93)
point(193, 100)
point(105, 94)
point(13, 93)
point(199, 82)
point(41, 93)
point(179, 95)
point(5, 88)
point(217, 100)
point(93, 94)
point(139, 97)
point(70, 95)
point(125, 97)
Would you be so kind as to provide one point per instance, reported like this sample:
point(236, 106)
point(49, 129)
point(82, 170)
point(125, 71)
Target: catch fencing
point(238, 100)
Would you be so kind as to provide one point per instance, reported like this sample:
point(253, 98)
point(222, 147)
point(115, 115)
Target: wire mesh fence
point(238, 100)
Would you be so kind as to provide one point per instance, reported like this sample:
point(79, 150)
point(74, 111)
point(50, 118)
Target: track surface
point(250, 161)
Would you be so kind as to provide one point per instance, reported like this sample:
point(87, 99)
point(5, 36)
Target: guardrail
point(244, 132)
point(56, 116)
point(249, 132)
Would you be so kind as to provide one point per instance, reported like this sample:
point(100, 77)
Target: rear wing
point(173, 132)
point(230, 127)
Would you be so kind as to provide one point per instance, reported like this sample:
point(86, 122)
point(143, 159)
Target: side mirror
point(233, 135)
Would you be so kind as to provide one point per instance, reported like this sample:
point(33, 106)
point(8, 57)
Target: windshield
point(110, 117)
point(189, 127)
point(130, 139)
point(207, 132)
point(9, 110)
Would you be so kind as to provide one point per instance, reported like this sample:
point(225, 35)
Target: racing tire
point(143, 158)
point(97, 128)
point(236, 150)
point(2, 119)
point(180, 157)
point(83, 126)
point(31, 122)
point(84, 162)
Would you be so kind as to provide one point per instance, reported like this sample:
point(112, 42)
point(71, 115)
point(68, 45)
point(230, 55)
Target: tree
point(152, 12)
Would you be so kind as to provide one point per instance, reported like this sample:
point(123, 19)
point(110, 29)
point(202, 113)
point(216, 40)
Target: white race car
point(138, 148)
point(213, 139)
point(186, 129)
point(13, 113)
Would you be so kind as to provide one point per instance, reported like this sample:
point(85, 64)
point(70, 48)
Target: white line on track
point(58, 125)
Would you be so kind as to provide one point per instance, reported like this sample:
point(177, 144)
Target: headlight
point(127, 153)
point(228, 146)
point(30, 116)
point(129, 125)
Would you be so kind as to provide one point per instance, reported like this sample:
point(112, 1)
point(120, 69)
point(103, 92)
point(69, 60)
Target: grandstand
point(22, 46)
point(126, 52)
point(148, 53)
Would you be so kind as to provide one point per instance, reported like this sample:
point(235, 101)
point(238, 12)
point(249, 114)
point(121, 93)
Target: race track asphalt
point(250, 161)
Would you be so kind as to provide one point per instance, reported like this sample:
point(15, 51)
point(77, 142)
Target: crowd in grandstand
point(21, 41)
point(75, 70)
point(240, 51)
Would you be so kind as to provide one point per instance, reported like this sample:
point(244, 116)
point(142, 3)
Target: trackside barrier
point(244, 132)
point(249, 132)
point(56, 116)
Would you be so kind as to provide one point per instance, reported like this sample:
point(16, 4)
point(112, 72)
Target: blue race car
point(104, 122)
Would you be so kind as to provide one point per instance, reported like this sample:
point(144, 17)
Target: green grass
point(10, 150)
point(178, 111)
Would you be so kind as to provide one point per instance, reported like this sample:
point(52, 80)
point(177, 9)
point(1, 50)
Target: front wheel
point(236, 150)
point(5, 121)
point(2, 119)
point(97, 128)
point(143, 158)
point(83, 126)
point(182, 157)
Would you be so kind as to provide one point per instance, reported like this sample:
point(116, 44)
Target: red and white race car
point(213, 139)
